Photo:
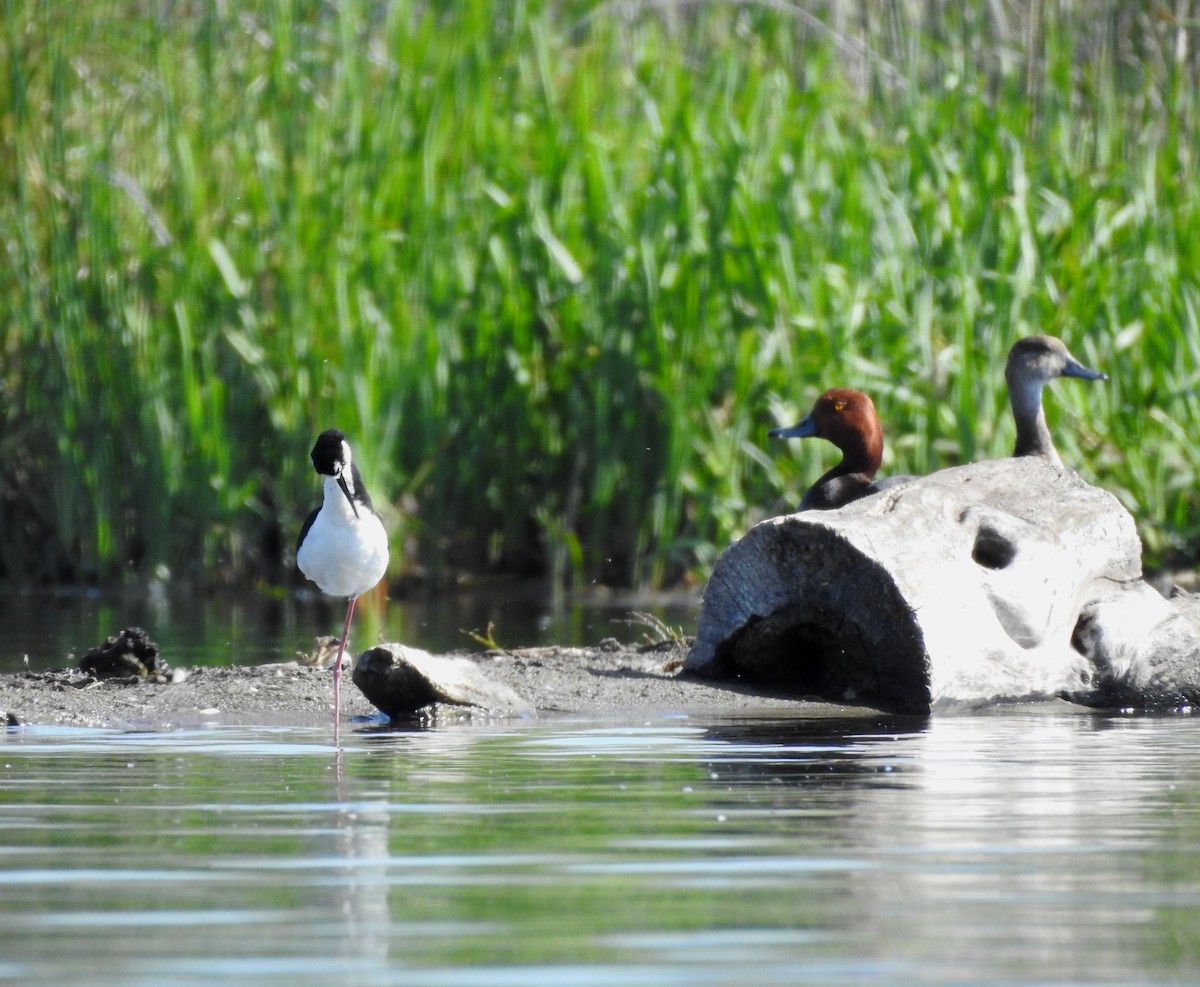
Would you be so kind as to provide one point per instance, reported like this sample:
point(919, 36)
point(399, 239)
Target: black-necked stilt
point(343, 547)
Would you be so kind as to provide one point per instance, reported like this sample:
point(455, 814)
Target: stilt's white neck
point(336, 501)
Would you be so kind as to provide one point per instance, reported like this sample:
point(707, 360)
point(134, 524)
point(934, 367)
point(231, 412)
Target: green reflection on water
point(569, 852)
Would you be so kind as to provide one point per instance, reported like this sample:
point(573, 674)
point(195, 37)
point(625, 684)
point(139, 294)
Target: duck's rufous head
point(846, 418)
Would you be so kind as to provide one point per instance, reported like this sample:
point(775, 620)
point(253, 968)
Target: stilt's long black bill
point(341, 480)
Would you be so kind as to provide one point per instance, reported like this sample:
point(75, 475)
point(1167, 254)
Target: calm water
point(1024, 846)
point(54, 628)
point(1030, 846)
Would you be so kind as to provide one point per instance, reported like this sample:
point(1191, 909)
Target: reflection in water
point(53, 628)
point(1036, 849)
point(1030, 845)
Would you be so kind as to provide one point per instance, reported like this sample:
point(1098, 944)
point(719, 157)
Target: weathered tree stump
point(998, 580)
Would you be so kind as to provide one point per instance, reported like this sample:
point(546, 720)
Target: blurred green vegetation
point(556, 267)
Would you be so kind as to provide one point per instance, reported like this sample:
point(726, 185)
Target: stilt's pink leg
point(337, 671)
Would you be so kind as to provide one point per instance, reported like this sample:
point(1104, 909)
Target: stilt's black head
point(331, 454)
point(331, 457)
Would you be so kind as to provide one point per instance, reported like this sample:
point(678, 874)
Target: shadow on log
point(1001, 580)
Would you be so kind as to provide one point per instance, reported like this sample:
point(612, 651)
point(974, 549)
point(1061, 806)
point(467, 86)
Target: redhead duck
point(847, 419)
point(1032, 362)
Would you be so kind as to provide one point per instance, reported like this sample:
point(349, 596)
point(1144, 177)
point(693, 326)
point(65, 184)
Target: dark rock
point(129, 653)
point(399, 680)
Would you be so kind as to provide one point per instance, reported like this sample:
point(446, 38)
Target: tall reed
point(556, 267)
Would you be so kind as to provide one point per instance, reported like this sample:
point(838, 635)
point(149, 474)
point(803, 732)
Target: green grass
point(556, 267)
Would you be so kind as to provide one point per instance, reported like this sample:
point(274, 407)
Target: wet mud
point(608, 681)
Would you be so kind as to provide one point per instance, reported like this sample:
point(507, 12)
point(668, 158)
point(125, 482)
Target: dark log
point(399, 680)
point(1008, 579)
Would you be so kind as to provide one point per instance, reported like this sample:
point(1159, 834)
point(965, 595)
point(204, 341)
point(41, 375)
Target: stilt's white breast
point(343, 554)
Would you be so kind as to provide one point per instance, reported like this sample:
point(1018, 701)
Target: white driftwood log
point(998, 580)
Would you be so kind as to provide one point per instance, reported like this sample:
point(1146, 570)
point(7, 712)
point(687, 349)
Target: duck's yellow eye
point(839, 406)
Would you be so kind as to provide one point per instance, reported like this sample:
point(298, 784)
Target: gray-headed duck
point(847, 419)
point(1032, 362)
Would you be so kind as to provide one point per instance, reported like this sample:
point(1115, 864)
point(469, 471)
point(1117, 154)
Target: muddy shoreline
point(589, 681)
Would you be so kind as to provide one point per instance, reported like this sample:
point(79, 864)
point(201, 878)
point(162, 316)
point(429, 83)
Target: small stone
point(323, 654)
